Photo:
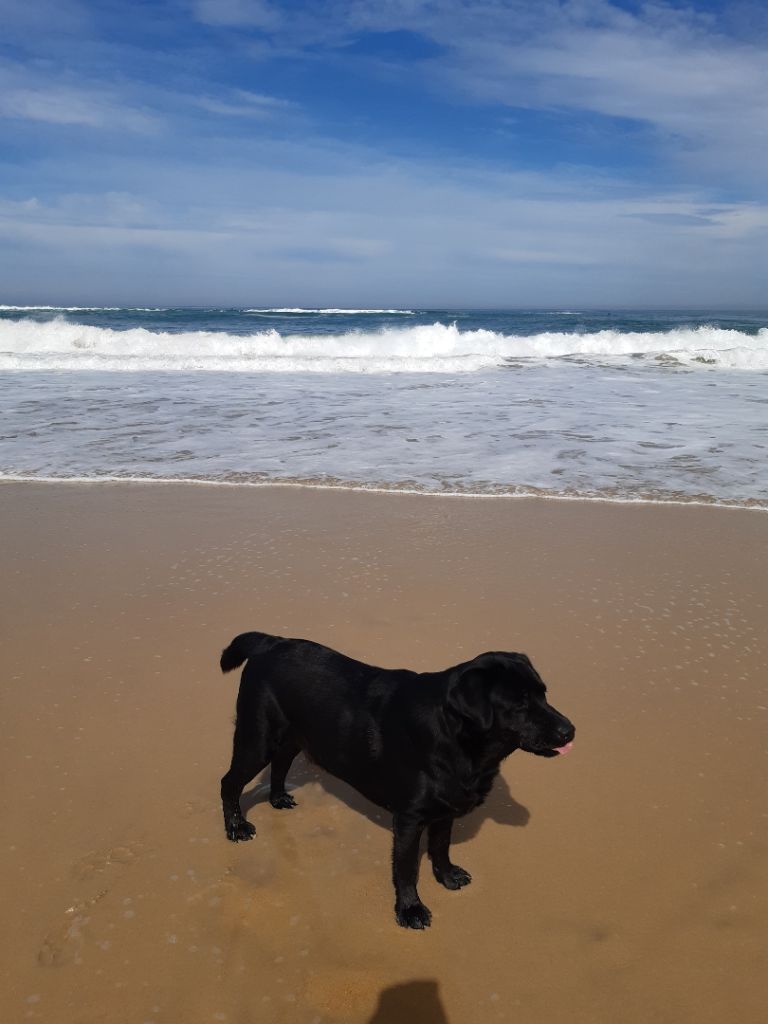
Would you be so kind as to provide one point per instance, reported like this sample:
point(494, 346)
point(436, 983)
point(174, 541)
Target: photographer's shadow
point(414, 1002)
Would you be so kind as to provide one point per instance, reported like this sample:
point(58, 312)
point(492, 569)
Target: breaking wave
point(442, 348)
point(82, 309)
point(350, 312)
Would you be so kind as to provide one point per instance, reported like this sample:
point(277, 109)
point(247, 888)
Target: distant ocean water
point(622, 405)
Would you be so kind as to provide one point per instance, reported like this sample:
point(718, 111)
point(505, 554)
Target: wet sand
point(626, 882)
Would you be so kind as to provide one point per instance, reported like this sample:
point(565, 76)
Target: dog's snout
point(565, 733)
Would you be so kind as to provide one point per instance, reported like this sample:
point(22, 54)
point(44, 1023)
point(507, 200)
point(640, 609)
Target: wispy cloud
point(200, 174)
point(32, 94)
point(706, 95)
point(74, 107)
point(100, 209)
point(395, 230)
point(704, 90)
point(254, 13)
point(242, 103)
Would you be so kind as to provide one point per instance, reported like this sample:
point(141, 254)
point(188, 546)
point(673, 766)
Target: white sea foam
point(60, 309)
point(394, 490)
point(606, 414)
point(442, 348)
point(83, 309)
point(350, 312)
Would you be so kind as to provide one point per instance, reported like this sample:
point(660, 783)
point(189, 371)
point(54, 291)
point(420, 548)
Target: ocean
point(613, 405)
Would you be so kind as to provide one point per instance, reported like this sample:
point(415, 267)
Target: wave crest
point(348, 312)
point(439, 348)
point(83, 309)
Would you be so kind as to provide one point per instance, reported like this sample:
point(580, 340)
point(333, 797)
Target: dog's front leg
point(409, 910)
point(438, 842)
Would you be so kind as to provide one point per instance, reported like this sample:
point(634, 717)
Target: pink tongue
point(563, 750)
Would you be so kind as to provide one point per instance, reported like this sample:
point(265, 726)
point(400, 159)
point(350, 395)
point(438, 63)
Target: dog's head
point(502, 694)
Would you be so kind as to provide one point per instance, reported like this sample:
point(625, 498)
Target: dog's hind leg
point(281, 763)
point(251, 753)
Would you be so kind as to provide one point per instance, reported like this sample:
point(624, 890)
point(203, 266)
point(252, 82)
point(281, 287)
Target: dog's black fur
point(426, 746)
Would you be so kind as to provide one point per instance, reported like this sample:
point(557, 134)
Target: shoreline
point(751, 505)
point(632, 871)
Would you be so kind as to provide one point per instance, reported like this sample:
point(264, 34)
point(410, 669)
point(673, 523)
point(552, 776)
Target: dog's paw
point(454, 878)
point(282, 801)
point(414, 916)
point(240, 831)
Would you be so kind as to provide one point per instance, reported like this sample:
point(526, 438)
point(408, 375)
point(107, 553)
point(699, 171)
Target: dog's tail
point(245, 646)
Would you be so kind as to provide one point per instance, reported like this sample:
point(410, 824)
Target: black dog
point(426, 746)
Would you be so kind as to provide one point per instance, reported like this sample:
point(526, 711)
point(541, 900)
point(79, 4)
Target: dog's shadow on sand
point(500, 806)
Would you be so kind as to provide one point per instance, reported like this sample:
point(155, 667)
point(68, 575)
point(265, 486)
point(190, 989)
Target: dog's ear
point(469, 697)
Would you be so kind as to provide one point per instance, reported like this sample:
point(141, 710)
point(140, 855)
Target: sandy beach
point(626, 882)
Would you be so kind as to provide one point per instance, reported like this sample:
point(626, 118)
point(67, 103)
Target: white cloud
point(73, 106)
point(669, 67)
point(705, 91)
point(398, 231)
point(253, 13)
point(219, 205)
point(242, 103)
point(32, 93)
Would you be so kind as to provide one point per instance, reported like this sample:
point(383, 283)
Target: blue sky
point(414, 152)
